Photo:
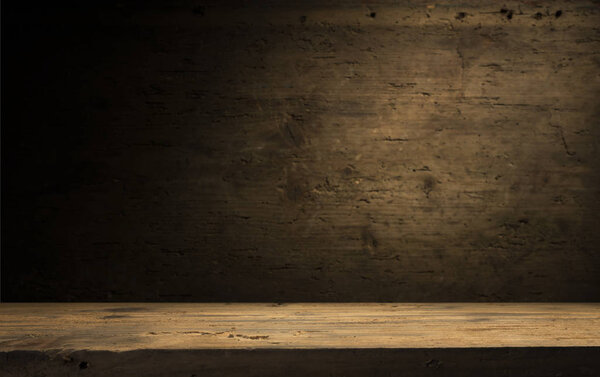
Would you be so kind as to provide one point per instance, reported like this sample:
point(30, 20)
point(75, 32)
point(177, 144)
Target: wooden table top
point(135, 326)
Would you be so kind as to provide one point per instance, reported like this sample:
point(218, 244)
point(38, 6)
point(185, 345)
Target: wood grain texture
point(302, 151)
point(123, 327)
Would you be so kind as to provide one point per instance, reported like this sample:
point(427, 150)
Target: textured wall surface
point(317, 151)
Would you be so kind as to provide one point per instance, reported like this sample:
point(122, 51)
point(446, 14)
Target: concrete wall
point(317, 151)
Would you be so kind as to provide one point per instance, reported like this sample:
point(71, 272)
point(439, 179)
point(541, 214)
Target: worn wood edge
point(119, 327)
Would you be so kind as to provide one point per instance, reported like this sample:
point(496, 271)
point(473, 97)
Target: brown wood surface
point(139, 326)
point(316, 150)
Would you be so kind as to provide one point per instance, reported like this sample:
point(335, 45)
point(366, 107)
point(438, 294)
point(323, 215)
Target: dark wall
point(301, 151)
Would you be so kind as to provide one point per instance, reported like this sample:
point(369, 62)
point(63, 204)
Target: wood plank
point(376, 362)
point(139, 326)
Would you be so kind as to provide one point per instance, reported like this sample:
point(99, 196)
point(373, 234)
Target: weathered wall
point(319, 151)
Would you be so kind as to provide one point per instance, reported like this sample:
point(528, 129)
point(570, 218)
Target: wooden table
point(59, 331)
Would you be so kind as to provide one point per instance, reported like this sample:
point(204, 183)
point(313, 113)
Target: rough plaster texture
point(317, 151)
